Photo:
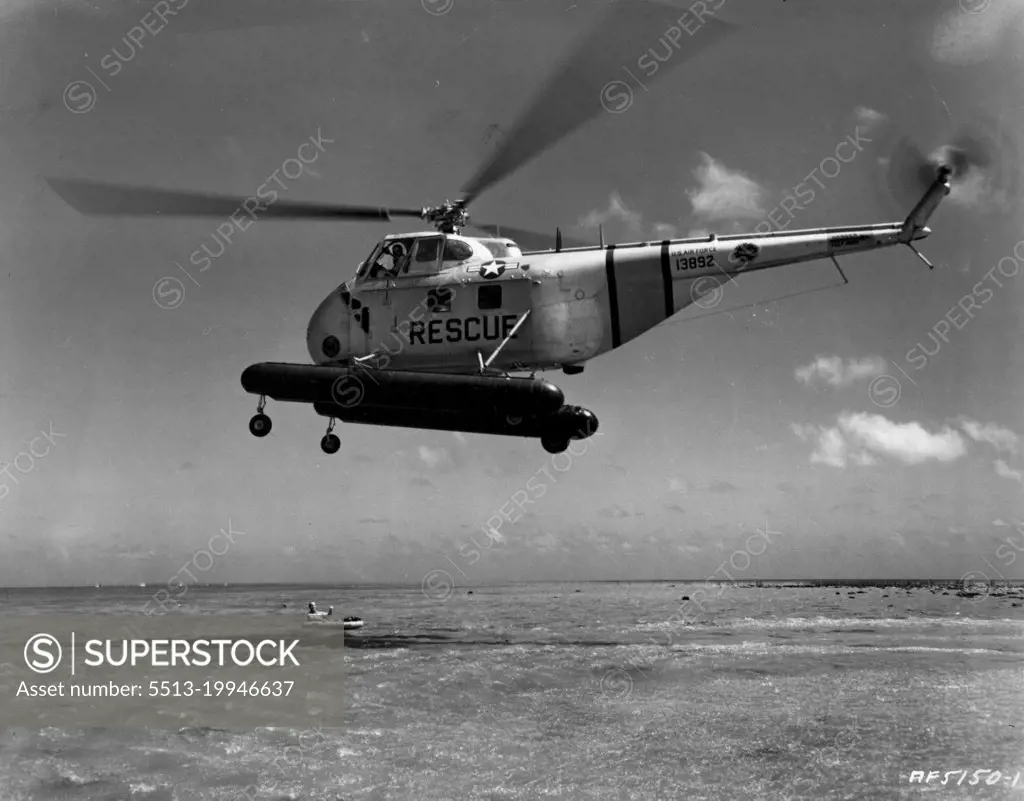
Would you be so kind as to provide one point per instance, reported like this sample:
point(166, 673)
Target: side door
point(494, 299)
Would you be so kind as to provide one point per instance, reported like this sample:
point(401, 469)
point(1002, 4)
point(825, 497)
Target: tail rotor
point(981, 161)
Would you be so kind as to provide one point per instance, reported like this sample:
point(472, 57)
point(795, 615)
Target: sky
point(832, 433)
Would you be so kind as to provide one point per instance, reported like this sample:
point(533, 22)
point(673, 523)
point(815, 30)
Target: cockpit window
point(365, 266)
point(390, 259)
point(457, 251)
point(395, 258)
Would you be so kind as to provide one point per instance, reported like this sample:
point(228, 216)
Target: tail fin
point(918, 218)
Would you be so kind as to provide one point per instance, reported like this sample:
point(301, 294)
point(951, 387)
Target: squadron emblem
point(744, 254)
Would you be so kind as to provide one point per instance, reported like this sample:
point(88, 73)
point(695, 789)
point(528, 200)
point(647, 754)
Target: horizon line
point(754, 581)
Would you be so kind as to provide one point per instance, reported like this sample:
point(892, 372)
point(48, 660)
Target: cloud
point(974, 188)
point(834, 372)
point(962, 39)
point(1002, 439)
point(910, 443)
point(544, 543)
point(1003, 470)
point(684, 487)
point(723, 194)
point(616, 211)
point(980, 186)
point(831, 447)
point(1000, 523)
point(678, 485)
point(869, 118)
point(860, 438)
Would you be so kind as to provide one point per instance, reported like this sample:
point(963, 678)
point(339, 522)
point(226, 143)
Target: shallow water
point(536, 691)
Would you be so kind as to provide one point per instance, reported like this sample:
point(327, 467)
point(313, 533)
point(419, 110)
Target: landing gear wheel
point(554, 444)
point(330, 443)
point(260, 425)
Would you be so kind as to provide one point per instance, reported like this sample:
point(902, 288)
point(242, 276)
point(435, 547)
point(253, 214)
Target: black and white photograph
point(468, 400)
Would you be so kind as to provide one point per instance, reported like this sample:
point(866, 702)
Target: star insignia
point(492, 270)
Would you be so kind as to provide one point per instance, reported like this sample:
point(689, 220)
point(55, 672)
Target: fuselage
point(570, 306)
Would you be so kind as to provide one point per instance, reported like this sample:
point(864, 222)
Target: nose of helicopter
point(327, 332)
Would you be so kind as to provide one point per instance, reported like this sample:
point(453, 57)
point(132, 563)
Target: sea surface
point(590, 691)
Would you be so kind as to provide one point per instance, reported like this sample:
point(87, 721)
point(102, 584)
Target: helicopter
point(443, 330)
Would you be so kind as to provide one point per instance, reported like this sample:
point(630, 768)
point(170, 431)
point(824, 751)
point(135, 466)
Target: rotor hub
point(448, 218)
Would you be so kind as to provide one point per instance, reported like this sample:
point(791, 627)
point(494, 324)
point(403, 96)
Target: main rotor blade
point(601, 74)
point(529, 240)
point(96, 198)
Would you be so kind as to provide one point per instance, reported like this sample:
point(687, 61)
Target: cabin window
point(424, 257)
point(426, 250)
point(489, 297)
point(457, 251)
point(498, 248)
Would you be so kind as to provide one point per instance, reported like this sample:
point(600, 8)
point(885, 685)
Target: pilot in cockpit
point(383, 266)
point(400, 252)
point(397, 253)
